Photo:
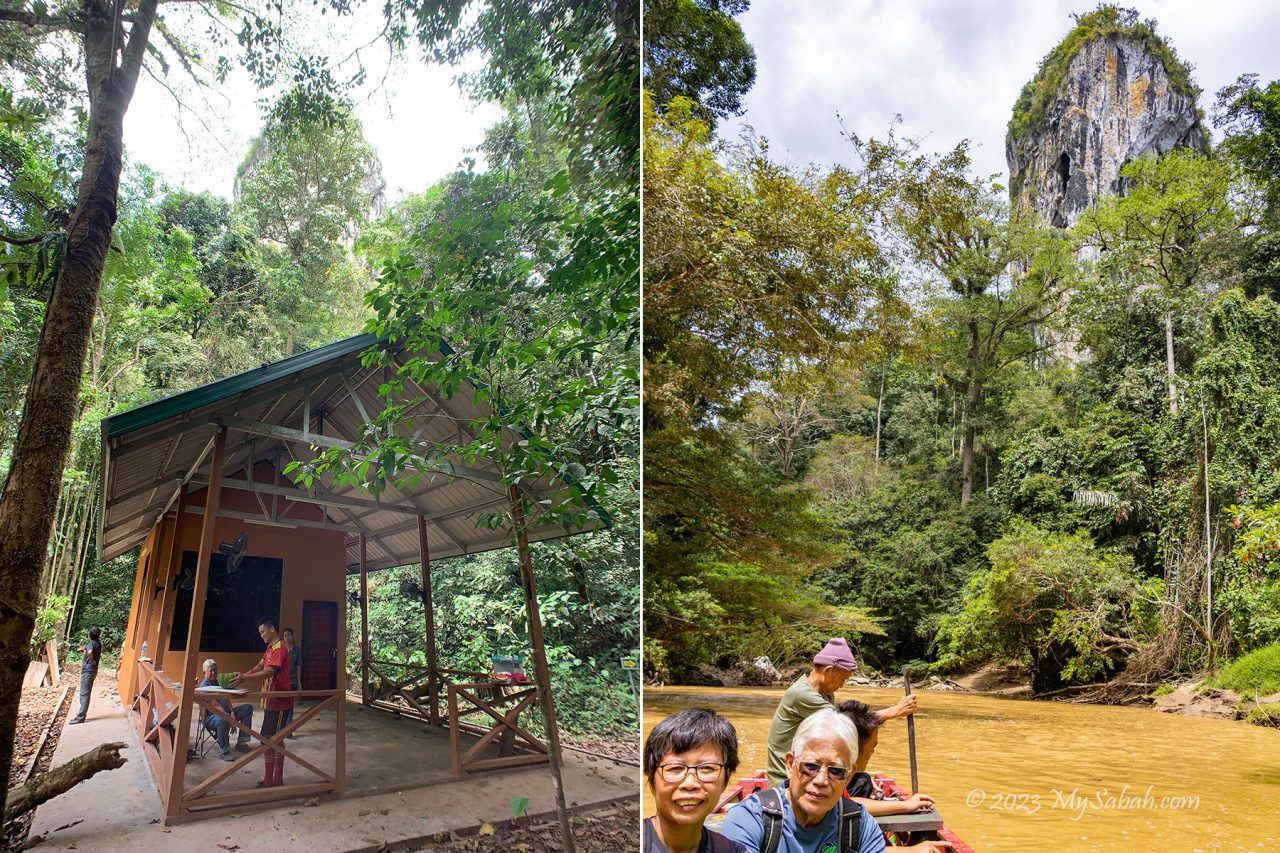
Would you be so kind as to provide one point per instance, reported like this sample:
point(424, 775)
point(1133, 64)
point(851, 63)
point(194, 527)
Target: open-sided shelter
point(187, 476)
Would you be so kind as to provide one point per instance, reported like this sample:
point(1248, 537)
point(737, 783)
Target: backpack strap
point(771, 813)
point(850, 825)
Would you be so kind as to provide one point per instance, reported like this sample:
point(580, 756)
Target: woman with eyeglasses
point(688, 759)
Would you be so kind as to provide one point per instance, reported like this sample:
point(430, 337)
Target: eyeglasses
point(810, 768)
point(676, 773)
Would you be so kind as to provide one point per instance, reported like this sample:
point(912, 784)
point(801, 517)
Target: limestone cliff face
point(1114, 103)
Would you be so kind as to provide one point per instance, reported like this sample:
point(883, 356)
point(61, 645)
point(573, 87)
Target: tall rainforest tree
point(752, 270)
point(1005, 278)
point(1172, 233)
point(695, 49)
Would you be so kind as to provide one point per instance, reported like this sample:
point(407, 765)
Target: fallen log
point(59, 780)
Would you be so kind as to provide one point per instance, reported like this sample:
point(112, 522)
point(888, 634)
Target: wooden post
point(127, 673)
point(187, 682)
point(171, 566)
point(433, 678)
point(364, 622)
point(541, 671)
point(340, 756)
point(911, 733)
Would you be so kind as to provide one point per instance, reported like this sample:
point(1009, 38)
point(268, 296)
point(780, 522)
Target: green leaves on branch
point(1055, 602)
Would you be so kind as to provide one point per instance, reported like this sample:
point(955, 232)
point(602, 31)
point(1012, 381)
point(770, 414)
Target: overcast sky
point(953, 68)
point(413, 115)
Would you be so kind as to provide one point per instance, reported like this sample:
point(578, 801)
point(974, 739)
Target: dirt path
point(37, 706)
point(605, 830)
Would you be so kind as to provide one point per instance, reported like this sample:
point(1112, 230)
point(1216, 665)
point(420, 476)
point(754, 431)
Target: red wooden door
point(319, 643)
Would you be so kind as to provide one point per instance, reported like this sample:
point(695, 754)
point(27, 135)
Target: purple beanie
point(836, 653)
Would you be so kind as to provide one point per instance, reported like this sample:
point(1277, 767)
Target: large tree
point(1005, 279)
point(695, 49)
point(113, 52)
point(1171, 234)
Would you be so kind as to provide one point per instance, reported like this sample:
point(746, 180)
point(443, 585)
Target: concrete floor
point(399, 787)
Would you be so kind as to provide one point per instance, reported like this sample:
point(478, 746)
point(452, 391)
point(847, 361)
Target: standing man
point(274, 670)
point(88, 672)
point(811, 693)
point(295, 670)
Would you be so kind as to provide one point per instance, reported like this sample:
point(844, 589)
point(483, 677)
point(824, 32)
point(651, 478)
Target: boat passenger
point(861, 787)
point(688, 759)
point(809, 814)
point(810, 693)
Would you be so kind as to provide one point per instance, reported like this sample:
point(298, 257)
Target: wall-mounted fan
point(234, 552)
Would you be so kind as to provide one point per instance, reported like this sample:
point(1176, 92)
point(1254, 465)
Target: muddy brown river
point(1022, 775)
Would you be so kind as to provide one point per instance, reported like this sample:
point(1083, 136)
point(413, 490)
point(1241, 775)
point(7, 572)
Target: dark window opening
point(233, 605)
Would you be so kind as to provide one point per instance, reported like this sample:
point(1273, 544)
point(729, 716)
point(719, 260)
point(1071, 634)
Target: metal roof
point(284, 411)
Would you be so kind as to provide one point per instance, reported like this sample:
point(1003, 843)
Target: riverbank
point(1189, 697)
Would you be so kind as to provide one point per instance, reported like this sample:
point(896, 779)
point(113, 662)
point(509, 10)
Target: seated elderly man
point(221, 728)
point(808, 814)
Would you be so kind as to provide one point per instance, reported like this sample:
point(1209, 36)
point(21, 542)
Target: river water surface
point(1022, 775)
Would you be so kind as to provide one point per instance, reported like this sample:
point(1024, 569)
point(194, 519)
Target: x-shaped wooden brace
point(276, 742)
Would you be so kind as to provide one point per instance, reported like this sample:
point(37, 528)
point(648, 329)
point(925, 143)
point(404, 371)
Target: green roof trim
point(149, 414)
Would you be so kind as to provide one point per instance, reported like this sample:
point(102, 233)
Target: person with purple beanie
point(831, 669)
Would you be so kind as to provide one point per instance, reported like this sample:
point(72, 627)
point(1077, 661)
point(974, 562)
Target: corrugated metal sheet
point(153, 449)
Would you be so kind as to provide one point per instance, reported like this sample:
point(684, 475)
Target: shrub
point(1258, 670)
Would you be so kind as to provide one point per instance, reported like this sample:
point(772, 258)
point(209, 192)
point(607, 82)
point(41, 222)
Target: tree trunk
point(1170, 368)
point(59, 780)
point(969, 415)
point(30, 497)
point(879, 410)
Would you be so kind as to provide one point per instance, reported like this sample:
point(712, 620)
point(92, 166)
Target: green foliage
point(1267, 714)
point(50, 615)
point(1259, 670)
point(588, 596)
point(1104, 22)
point(908, 550)
point(1250, 118)
point(104, 603)
point(695, 49)
point(1053, 601)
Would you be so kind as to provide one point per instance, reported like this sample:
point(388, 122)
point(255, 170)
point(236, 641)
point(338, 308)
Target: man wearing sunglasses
point(831, 669)
point(809, 815)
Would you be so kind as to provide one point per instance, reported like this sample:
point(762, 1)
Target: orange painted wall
point(314, 569)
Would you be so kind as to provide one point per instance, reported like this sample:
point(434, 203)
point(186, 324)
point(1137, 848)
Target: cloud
point(951, 70)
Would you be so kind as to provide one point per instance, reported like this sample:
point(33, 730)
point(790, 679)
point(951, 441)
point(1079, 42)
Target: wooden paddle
point(911, 732)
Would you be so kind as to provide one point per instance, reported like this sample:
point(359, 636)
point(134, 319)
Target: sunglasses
point(809, 769)
point(675, 773)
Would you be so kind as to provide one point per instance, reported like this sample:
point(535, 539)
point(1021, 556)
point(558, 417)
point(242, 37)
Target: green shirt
point(800, 700)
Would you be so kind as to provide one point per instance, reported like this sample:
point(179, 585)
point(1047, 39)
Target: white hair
point(826, 723)
point(209, 662)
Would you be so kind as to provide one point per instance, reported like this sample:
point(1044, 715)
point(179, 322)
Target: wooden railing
point(409, 683)
point(465, 699)
point(201, 797)
point(154, 714)
point(406, 688)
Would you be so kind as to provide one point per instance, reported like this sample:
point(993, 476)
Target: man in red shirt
point(274, 670)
